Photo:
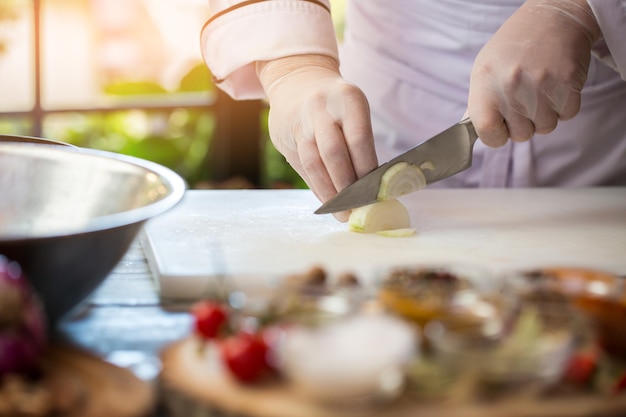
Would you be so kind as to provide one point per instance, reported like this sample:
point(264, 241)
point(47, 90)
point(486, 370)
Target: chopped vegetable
point(404, 232)
point(209, 318)
point(581, 367)
point(382, 216)
point(245, 355)
point(427, 166)
point(401, 178)
point(22, 323)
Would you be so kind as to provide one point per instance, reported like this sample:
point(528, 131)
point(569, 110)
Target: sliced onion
point(401, 178)
point(383, 215)
point(23, 336)
point(404, 232)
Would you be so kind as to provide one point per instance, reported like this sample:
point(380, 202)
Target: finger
point(342, 216)
point(315, 170)
point(293, 146)
point(356, 126)
point(491, 128)
point(519, 106)
point(336, 158)
point(294, 161)
point(334, 153)
point(492, 132)
point(520, 127)
point(360, 140)
point(545, 118)
point(567, 104)
point(489, 125)
point(531, 102)
point(482, 105)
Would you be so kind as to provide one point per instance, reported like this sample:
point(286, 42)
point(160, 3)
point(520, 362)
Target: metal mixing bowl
point(31, 139)
point(68, 214)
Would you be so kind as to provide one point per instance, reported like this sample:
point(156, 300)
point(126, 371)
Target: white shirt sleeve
point(241, 32)
point(611, 17)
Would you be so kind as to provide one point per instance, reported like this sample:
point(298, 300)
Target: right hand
point(319, 122)
point(530, 74)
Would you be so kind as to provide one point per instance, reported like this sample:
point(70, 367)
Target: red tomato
point(209, 318)
point(581, 367)
point(245, 356)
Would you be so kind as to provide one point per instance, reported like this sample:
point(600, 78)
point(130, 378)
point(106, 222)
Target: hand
point(319, 122)
point(530, 73)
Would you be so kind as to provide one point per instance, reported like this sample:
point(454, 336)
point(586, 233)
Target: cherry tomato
point(209, 318)
point(581, 367)
point(245, 356)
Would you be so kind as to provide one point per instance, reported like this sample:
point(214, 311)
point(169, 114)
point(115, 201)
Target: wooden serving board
point(83, 385)
point(248, 234)
point(194, 386)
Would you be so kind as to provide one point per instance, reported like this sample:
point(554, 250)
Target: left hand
point(319, 122)
point(529, 75)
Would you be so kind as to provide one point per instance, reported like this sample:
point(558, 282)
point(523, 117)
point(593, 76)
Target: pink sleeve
point(242, 32)
point(611, 49)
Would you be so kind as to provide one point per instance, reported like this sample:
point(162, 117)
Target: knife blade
point(441, 156)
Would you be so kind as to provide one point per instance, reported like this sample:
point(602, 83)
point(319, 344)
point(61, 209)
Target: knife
point(441, 156)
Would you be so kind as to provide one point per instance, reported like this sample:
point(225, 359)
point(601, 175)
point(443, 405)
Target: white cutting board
point(252, 234)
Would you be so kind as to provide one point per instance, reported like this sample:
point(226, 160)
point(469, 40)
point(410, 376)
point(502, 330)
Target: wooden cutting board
point(247, 235)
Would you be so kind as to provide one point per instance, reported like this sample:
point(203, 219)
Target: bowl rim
point(6, 138)
point(174, 181)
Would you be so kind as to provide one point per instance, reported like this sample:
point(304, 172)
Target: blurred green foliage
point(197, 79)
point(179, 139)
point(16, 126)
point(133, 88)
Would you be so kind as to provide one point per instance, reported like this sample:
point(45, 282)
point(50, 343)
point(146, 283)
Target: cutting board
point(248, 236)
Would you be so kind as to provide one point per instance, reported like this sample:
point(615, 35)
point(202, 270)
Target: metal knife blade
point(441, 156)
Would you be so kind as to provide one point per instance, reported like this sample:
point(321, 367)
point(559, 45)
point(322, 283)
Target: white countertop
point(251, 233)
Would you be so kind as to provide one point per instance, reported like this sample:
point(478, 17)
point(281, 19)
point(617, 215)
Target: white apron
point(413, 59)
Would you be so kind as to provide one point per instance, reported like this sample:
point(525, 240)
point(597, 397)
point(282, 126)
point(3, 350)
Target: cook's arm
point(611, 17)
point(287, 50)
point(242, 32)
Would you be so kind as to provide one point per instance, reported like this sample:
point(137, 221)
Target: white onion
point(383, 216)
point(401, 178)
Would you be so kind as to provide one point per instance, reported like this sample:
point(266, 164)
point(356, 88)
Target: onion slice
point(404, 232)
point(382, 216)
point(401, 178)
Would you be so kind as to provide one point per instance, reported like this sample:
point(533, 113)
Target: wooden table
point(125, 322)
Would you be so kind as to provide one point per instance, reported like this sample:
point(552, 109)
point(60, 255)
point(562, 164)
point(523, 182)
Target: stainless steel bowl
point(31, 139)
point(68, 214)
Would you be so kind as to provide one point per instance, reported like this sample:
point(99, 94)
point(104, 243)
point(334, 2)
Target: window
point(126, 76)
